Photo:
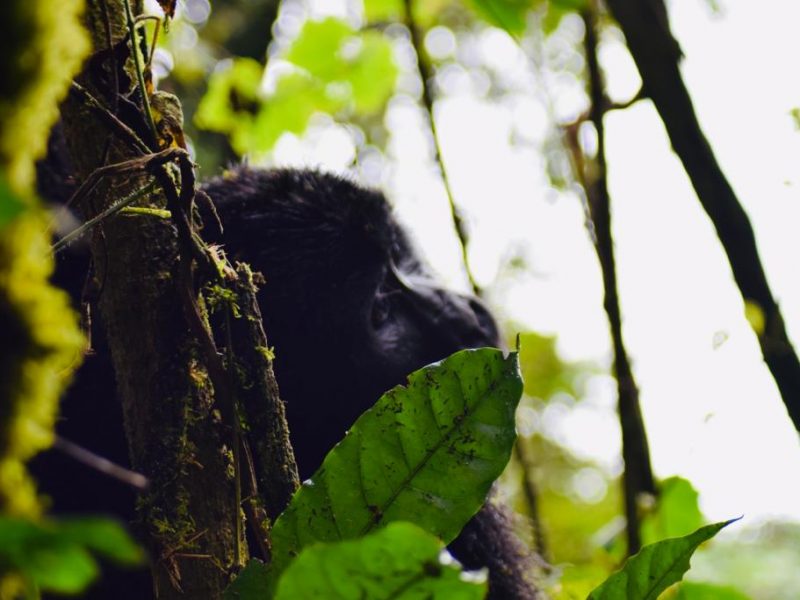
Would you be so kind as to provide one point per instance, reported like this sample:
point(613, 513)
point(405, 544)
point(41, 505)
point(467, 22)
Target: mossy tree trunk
point(189, 517)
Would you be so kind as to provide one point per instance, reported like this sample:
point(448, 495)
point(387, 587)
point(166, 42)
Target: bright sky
point(711, 407)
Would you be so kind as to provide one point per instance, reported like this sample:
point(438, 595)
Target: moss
point(42, 46)
point(267, 353)
point(218, 297)
point(44, 344)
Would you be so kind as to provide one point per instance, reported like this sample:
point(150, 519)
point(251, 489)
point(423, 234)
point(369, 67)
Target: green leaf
point(373, 74)
point(656, 567)
point(359, 66)
point(318, 48)
point(232, 99)
point(691, 590)
point(510, 15)
point(427, 452)
point(251, 582)
point(337, 70)
point(55, 555)
point(296, 98)
point(399, 561)
point(677, 512)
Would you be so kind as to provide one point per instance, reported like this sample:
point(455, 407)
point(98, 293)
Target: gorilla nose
point(466, 322)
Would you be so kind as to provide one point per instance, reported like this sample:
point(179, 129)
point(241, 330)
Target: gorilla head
point(346, 303)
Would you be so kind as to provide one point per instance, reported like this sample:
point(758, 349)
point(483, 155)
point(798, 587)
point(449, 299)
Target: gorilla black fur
point(350, 312)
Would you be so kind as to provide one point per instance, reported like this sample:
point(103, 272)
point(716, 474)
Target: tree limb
point(657, 57)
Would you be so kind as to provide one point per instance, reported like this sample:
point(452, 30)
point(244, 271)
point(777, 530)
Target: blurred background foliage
point(258, 75)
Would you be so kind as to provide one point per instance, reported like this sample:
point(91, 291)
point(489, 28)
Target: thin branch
point(102, 216)
point(137, 60)
point(100, 464)
point(638, 476)
point(426, 74)
point(657, 56)
point(531, 492)
point(128, 134)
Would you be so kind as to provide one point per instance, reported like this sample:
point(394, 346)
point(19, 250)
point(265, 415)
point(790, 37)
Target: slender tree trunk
point(189, 516)
point(638, 476)
point(657, 55)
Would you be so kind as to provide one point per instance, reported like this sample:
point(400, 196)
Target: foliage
point(57, 556)
point(399, 561)
point(656, 567)
point(427, 453)
point(334, 69)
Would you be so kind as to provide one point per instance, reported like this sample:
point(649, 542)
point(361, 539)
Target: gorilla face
point(346, 302)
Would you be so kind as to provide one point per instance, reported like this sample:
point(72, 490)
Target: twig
point(137, 59)
point(426, 75)
point(100, 464)
point(657, 57)
point(128, 134)
point(108, 212)
point(140, 20)
point(638, 476)
point(532, 498)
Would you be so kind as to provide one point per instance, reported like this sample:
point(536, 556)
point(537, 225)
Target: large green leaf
point(57, 555)
point(427, 452)
point(656, 567)
point(400, 561)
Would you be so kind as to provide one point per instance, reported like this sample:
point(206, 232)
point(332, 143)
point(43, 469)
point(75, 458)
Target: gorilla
point(350, 311)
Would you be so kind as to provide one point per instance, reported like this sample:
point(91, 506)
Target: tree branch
point(638, 476)
point(657, 57)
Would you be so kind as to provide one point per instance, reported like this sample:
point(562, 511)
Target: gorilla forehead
point(297, 225)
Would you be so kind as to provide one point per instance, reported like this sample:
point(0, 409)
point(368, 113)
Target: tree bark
point(189, 517)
